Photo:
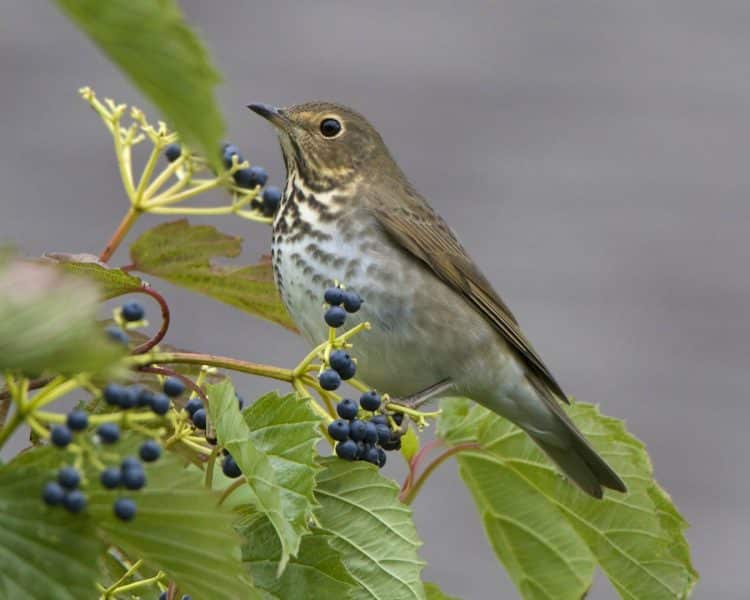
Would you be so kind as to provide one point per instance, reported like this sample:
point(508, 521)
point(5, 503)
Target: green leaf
point(409, 444)
point(550, 535)
point(110, 282)
point(435, 593)
point(179, 529)
point(151, 42)
point(371, 530)
point(47, 322)
point(276, 455)
point(45, 552)
point(182, 254)
point(316, 572)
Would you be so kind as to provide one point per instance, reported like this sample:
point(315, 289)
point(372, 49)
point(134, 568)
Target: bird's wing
point(420, 231)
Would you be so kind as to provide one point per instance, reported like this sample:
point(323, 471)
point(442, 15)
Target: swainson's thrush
point(349, 214)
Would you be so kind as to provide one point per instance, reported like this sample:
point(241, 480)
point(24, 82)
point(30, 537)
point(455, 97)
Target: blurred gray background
point(593, 156)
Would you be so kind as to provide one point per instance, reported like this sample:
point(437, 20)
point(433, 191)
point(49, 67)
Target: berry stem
point(209, 479)
point(159, 335)
point(407, 495)
point(228, 491)
point(107, 593)
point(136, 584)
point(122, 230)
point(302, 391)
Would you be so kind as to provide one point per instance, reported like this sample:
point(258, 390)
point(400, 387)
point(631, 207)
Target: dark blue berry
point(334, 296)
point(227, 152)
point(130, 462)
point(384, 432)
point(133, 479)
point(130, 398)
point(149, 451)
point(172, 152)
point(335, 316)
point(69, 478)
point(398, 418)
point(53, 493)
point(361, 447)
point(117, 335)
point(381, 458)
point(173, 387)
point(109, 433)
point(77, 420)
point(145, 396)
point(339, 360)
point(114, 393)
point(132, 311)
point(347, 450)
point(370, 400)
point(124, 509)
point(163, 596)
point(230, 468)
point(338, 430)
point(251, 178)
point(186, 597)
point(192, 405)
point(347, 409)
point(199, 418)
point(393, 444)
point(352, 301)
point(74, 501)
point(61, 436)
point(371, 433)
point(357, 430)
point(160, 404)
point(379, 419)
point(371, 455)
point(271, 200)
point(110, 477)
point(259, 174)
point(329, 380)
point(349, 370)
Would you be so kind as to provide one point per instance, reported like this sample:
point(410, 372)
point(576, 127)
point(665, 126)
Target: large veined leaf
point(48, 322)
point(182, 254)
point(110, 282)
point(45, 552)
point(371, 530)
point(179, 529)
point(316, 572)
point(151, 42)
point(275, 456)
point(547, 533)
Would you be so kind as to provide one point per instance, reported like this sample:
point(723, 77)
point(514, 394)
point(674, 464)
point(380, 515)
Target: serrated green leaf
point(182, 254)
point(434, 592)
point(371, 530)
point(547, 533)
point(47, 322)
point(316, 572)
point(110, 282)
point(45, 552)
point(151, 42)
point(178, 528)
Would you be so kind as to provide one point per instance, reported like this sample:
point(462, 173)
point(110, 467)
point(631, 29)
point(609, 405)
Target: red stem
point(159, 336)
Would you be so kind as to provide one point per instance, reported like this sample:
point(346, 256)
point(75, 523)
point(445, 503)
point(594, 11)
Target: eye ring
point(331, 127)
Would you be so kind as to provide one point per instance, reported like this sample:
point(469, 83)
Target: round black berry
point(130, 462)
point(352, 301)
point(361, 448)
point(370, 400)
point(132, 311)
point(149, 451)
point(357, 430)
point(160, 404)
point(379, 419)
point(163, 596)
point(133, 478)
point(335, 316)
point(251, 178)
point(124, 509)
point(61, 436)
point(228, 151)
point(334, 296)
point(192, 405)
point(110, 477)
point(114, 394)
point(199, 418)
point(271, 200)
point(338, 430)
point(230, 467)
point(349, 370)
point(130, 398)
point(329, 380)
point(145, 396)
point(172, 152)
point(398, 418)
point(108, 433)
point(77, 420)
point(117, 335)
point(74, 501)
point(393, 444)
point(69, 478)
point(384, 432)
point(347, 450)
point(347, 409)
point(53, 493)
point(339, 360)
point(381, 458)
point(371, 433)
point(173, 387)
point(371, 455)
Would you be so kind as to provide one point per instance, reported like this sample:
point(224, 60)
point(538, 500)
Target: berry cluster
point(364, 432)
point(341, 365)
point(129, 315)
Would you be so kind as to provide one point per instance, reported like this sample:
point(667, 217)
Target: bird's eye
point(330, 127)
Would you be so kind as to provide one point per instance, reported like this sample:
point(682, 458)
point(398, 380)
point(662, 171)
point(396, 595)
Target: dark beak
point(271, 113)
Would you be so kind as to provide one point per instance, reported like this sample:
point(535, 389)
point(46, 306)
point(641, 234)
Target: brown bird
point(350, 215)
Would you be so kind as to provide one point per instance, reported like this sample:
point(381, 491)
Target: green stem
point(140, 583)
point(108, 591)
point(212, 360)
point(235, 486)
point(408, 495)
point(208, 481)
